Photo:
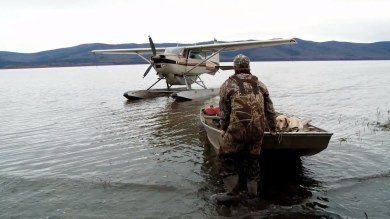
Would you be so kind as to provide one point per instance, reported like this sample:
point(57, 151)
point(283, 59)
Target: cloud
point(36, 25)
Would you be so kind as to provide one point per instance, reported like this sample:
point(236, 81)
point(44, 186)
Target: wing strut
point(155, 83)
point(143, 58)
point(204, 60)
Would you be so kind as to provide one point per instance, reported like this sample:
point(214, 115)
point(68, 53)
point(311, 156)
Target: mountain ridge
point(304, 50)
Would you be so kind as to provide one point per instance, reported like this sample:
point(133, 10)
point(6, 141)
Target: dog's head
point(282, 122)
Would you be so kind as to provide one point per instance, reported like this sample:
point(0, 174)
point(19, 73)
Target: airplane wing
point(129, 51)
point(231, 46)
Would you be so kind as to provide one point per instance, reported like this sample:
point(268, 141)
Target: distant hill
point(303, 51)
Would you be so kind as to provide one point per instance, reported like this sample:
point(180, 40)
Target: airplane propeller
point(153, 57)
point(152, 46)
point(148, 69)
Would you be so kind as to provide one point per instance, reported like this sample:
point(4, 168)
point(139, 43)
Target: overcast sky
point(38, 25)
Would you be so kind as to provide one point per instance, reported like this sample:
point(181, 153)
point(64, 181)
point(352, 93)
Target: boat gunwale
point(321, 132)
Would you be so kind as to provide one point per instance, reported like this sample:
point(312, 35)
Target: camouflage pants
point(240, 152)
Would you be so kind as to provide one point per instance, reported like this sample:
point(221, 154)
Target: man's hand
point(222, 133)
point(273, 133)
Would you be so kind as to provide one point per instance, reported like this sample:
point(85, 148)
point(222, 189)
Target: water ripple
point(76, 149)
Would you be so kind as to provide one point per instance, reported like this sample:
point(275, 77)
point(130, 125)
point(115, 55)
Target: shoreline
point(108, 64)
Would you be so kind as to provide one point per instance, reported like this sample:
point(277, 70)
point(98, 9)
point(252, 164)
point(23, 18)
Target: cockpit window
point(197, 55)
point(174, 50)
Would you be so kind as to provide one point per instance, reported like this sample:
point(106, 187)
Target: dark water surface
point(72, 147)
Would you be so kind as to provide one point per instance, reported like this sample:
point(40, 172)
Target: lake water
point(71, 146)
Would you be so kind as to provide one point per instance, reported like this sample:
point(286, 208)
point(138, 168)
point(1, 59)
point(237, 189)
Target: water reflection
point(285, 181)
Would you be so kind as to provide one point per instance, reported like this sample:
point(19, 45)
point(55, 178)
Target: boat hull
point(303, 143)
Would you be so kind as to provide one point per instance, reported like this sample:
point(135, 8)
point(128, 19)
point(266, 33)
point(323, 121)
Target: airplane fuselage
point(185, 64)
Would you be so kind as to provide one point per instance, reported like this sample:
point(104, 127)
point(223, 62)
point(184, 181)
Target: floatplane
point(184, 66)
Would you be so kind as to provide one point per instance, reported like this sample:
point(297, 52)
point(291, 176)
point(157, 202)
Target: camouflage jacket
point(229, 87)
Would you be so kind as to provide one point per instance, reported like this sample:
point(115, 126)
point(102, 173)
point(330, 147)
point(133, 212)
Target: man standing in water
point(245, 109)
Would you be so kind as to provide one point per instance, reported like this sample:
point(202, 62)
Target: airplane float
point(184, 65)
